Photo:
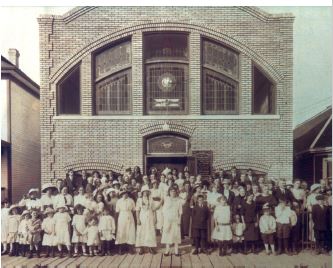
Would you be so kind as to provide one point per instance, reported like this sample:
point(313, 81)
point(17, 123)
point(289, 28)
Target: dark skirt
point(185, 220)
point(251, 232)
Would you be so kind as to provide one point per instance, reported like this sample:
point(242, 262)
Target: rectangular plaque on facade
point(167, 145)
point(204, 161)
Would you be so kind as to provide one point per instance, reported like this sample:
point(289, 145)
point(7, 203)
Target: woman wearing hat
point(32, 201)
point(47, 199)
point(172, 212)
point(145, 235)
point(126, 225)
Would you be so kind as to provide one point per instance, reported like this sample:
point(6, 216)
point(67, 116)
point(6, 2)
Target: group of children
point(126, 222)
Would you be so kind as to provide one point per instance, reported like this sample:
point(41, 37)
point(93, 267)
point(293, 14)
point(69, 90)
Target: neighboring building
point(313, 148)
point(207, 87)
point(20, 132)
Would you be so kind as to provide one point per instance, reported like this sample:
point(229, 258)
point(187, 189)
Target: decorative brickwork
point(258, 37)
point(166, 126)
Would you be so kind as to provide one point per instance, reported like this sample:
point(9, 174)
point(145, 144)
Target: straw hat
point(33, 190)
point(47, 186)
point(25, 212)
point(122, 192)
point(49, 210)
point(12, 207)
point(314, 187)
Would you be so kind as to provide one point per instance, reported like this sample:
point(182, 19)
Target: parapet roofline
point(255, 11)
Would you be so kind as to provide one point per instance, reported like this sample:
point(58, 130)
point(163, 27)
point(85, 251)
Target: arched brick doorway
point(168, 150)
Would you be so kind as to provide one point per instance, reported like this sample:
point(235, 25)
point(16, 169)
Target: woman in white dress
point(126, 226)
point(172, 212)
point(145, 235)
point(4, 226)
point(47, 198)
point(157, 196)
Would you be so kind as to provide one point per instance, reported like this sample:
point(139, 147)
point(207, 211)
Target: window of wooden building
point(166, 73)
point(68, 93)
point(220, 79)
point(113, 88)
point(263, 95)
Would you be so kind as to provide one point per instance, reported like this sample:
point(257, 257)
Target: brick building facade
point(207, 87)
point(20, 131)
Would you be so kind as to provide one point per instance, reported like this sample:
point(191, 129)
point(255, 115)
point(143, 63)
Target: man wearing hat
point(320, 219)
point(32, 201)
point(226, 191)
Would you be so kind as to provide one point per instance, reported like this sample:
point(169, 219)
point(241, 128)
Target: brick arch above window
point(209, 32)
point(166, 126)
point(89, 164)
point(255, 165)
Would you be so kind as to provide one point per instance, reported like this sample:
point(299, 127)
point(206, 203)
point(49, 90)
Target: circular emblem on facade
point(167, 82)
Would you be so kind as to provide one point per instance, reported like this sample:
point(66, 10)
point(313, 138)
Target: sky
point(312, 84)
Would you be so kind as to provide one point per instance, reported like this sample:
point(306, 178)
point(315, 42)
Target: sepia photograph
point(166, 136)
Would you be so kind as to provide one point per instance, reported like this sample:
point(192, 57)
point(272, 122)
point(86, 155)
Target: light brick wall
point(263, 39)
point(25, 141)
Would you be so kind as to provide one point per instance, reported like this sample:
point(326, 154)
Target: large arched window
point(113, 80)
point(166, 73)
point(68, 93)
point(263, 95)
point(220, 69)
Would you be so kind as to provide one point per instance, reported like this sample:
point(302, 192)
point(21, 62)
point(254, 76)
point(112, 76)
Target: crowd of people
point(107, 213)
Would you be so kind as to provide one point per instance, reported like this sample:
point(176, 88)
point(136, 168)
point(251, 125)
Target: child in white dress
point(238, 228)
point(107, 230)
point(62, 227)
point(48, 226)
point(13, 222)
point(79, 226)
point(93, 240)
point(222, 231)
point(23, 233)
point(4, 225)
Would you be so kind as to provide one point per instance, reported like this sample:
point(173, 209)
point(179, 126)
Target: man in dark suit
point(320, 216)
point(282, 193)
point(233, 176)
point(226, 191)
point(73, 183)
point(251, 177)
point(200, 216)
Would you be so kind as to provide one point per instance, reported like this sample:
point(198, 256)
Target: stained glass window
point(220, 79)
